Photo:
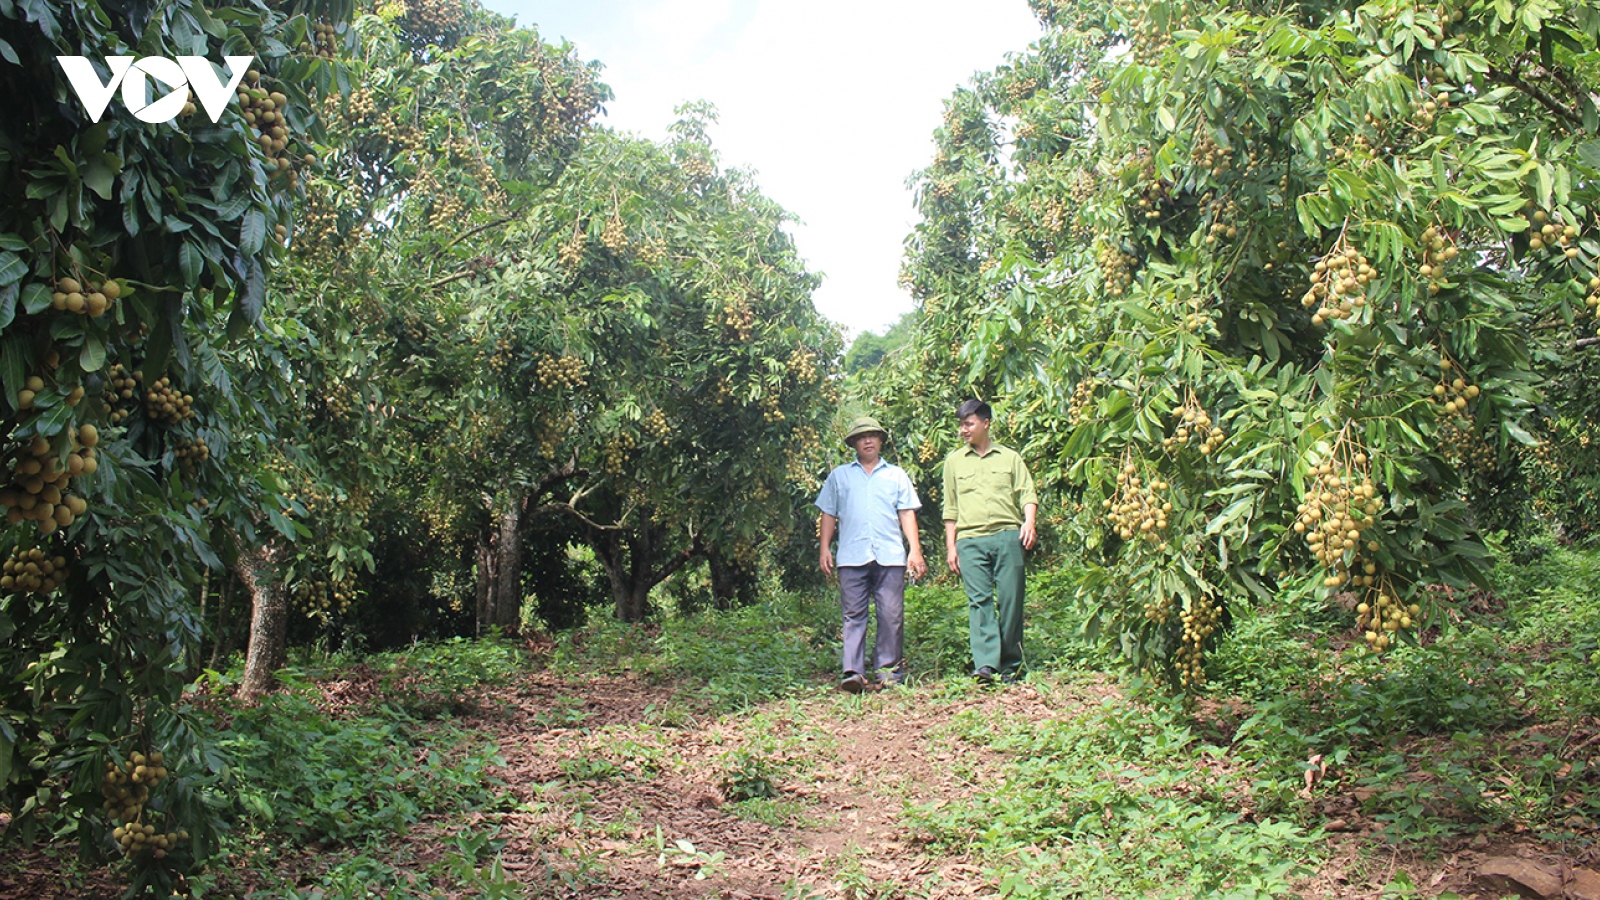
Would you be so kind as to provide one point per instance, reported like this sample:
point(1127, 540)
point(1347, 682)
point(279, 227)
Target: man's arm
point(908, 527)
point(825, 527)
point(950, 558)
point(1029, 533)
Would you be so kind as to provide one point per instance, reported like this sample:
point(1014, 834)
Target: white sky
point(832, 103)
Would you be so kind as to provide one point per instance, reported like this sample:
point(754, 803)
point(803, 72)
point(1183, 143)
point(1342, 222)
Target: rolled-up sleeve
point(1024, 482)
point(952, 511)
point(908, 494)
point(828, 498)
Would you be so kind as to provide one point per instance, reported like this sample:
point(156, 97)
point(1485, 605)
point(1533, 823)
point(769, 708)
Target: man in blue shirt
point(873, 506)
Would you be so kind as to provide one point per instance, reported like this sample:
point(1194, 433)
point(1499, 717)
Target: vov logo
point(134, 75)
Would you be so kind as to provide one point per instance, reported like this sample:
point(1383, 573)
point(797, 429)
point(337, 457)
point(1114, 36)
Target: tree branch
point(1586, 342)
point(1514, 78)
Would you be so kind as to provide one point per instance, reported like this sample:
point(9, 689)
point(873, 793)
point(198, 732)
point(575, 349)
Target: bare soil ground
point(622, 791)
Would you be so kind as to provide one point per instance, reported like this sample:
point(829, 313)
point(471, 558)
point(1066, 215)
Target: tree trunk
point(631, 566)
point(269, 613)
point(507, 611)
point(484, 587)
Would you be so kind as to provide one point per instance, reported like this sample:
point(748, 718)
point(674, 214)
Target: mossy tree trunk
point(269, 615)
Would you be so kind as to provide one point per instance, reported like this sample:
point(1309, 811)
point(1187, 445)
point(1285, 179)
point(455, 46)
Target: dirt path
point(609, 794)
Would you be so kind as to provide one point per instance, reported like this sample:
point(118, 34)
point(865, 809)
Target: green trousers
point(991, 571)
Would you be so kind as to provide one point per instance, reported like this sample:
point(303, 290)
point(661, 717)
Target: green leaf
point(190, 261)
point(99, 176)
point(12, 268)
point(35, 297)
point(252, 232)
point(94, 353)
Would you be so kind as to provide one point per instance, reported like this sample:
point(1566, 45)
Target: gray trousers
point(883, 588)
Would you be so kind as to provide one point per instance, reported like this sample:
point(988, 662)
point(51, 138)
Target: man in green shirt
point(989, 510)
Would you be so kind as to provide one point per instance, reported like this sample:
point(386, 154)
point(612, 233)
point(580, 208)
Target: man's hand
point(952, 561)
point(915, 565)
point(827, 560)
point(1029, 535)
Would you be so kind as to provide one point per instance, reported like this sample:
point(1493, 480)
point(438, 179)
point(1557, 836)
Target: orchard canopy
point(1279, 298)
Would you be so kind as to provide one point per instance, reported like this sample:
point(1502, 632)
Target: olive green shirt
point(986, 494)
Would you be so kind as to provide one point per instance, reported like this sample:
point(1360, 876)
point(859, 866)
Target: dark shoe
point(853, 683)
point(985, 675)
point(1011, 678)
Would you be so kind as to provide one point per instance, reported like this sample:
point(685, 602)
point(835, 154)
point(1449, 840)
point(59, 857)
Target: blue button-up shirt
point(868, 509)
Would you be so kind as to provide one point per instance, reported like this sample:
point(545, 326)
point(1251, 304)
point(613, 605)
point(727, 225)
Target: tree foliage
point(129, 251)
point(1229, 268)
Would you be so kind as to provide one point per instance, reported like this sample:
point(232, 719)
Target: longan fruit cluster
point(1591, 301)
point(1546, 233)
point(1453, 391)
point(1195, 427)
point(615, 236)
point(432, 19)
point(30, 570)
point(1463, 447)
point(37, 491)
point(1026, 131)
point(1083, 187)
point(135, 838)
point(927, 452)
point(1021, 88)
point(770, 410)
point(652, 250)
point(699, 168)
point(1159, 610)
point(1437, 251)
point(322, 40)
point(616, 452)
point(655, 424)
point(1154, 195)
point(802, 365)
point(1338, 283)
point(1224, 214)
point(1148, 39)
point(1116, 268)
point(552, 436)
point(1200, 619)
point(734, 314)
point(163, 403)
point(126, 787)
point(1206, 153)
point(571, 251)
point(561, 372)
point(1340, 505)
point(31, 386)
point(322, 598)
point(1423, 114)
point(1138, 509)
point(339, 398)
point(1381, 613)
point(121, 387)
point(266, 111)
point(1078, 408)
point(500, 359)
point(191, 453)
point(88, 298)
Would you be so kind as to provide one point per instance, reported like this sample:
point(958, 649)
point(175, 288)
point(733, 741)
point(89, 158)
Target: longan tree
point(657, 371)
point(454, 120)
point(130, 253)
point(1262, 289)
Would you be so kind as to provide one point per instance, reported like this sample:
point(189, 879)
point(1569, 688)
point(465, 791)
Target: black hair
point(974, 408)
